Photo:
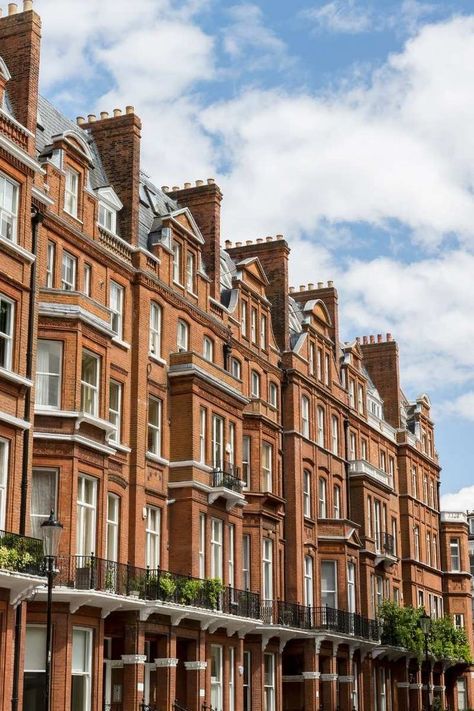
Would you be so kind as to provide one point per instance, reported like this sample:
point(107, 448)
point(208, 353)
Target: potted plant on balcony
point(166, 586)
point(213, 589)
point(190, 590)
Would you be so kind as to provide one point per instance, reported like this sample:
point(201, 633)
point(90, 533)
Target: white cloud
point(461, 406)
point(462, 500)
point(248, 38)
point(340, 16)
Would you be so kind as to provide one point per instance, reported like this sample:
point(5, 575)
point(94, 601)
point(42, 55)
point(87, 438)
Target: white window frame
point(107, 217)
point(91, 389)
point(254, 384)
point(7, 336)
point(236, 368)
point(202, 545)
point(231, 679)
point(329, 594)
point(320, 426)
point(416, 543)
point(336, 501)
point(182, 337)
point(352, 446)
point(217, 528)
point(86, 517)
point(217, 441)
point(244, 318)
point(116, 305)
point(360, 399)
point(86, 673)
point(273, 394)
point(263, 332)
point(461, 694)
point(246, 459)
point(50, 264)
point(231, 556)
point(455, 555)
point(4, 467)
point(269, 682)
point(308, 581)
point(156, 320)
point(217, 666)
point(44, 379)
point(311, 359)
point(267, 466)
point(177, 251)
point(208, 349)
point(253, 325)
point(154, 443)
point(113, 527)
point(71, 192)
point(335, 434)
point(37, 517)
point(190, 271)
point(246, 555)
point(267, 570)
point(9, 214)
point(202, 434)
point(115, 413)
point(153, 537)
point(305, 416)
point(322, 497)
point(307, 502)
point(86, 279)
point(327, 370)
point(351, 587)
point(68, 271)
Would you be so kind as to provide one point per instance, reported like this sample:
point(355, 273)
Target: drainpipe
point(36, 219)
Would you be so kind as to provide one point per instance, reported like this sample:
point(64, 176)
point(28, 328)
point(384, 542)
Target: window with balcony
point(7, 315)
point(4, 460)
point(153, 537)
point(351, 588)
point(334, 435)
point(273, 395)
point(305, 416)
point(208, 349)
point(263, 331)
point(308, 581)
point(267, 466)
point(246, 561)
point(320, 426)
point(230, 449)
point(48, 374)
point(113, 527)
point(34, 668)
point(231, 558)
point(307, 508)
point(107, 217)
point(322, 497)
point(71, 192)
point(202, 434)
point(254, 384)
point(154, 425)
point(190, 271)
point(50, 264)
point(329, 583)
point(44, 485)
point(86, 279)
point(177, 269)
point(155, 329)
point(269, 682)
point(68, 272)
point(115, 409)
point(216, 548)
point(455, 555)
point(267, 569)
point(337, 501)
point(202, 545)
point(81, 669)
point(183, 336)
point(90, 383)
point(116, 299)
point(217, 442)
point(9, 192)
point(86, 515)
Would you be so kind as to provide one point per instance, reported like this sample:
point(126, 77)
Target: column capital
point(311, 675)
point(328, 677)
point(195, 666)
point(166, 662)
point(133, 658)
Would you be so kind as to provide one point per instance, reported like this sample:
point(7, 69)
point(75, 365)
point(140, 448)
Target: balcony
point(286, 614)
point(453, 517)
point(85, 580)
point(385, 549)
point(361, 468)
point(21, 564)
point(226, 482)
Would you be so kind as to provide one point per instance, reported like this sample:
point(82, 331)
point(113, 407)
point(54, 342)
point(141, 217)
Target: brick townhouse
point(239, 489)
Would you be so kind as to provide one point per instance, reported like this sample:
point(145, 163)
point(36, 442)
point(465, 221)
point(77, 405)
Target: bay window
point(246, 461)
point(86, 515)
point(7, 312)
point(48, 374)
point(337, 501)
point(154, 426)
point(254, 384)
point(216, 548)
point(329, 583)
point(155, 329)
point(182, 336)
point(90, 383)
point(9, 191)
point(267, 466)
point(50, 264)
point(208, 349)
point(68, 272)
point(43, 498)
point(153, 537)
point(455, 554)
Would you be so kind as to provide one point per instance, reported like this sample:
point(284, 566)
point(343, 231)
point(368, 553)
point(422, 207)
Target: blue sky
point(346, 125)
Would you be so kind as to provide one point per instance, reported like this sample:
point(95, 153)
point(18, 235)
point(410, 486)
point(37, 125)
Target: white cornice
point(75, 438)
point(21, 155)
point(10, 246)
point(72, 311)
point(14, 421)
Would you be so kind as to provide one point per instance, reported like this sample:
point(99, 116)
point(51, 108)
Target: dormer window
point(107, 217)
point(71, 192)
point(8, 208)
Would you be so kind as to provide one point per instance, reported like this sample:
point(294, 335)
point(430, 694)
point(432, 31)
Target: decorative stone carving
point(195, 666)
point(133, 658)
point(166, 662)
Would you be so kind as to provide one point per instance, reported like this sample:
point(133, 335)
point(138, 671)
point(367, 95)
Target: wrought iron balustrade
point(286, 614)
point(388, 543)
point(227, 476)
point(343, 622)
point(21, 554)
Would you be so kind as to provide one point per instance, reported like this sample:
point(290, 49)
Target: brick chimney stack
point(204, 201)
point(20, 45)
point(328, 295)
point(273, 255)
point(118, 141)
point(382, 361)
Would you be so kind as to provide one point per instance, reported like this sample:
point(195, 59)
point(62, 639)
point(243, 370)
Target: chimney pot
point(365, 339)
point(238, 244)
point(357, 339)
point(187, 185)
point(91, 118)
point(379, 338)
point(320, 284)
point(249, 241)
point(330, 284)
point(302, 287)
point(27, 5)
point(1, 11)
point(228, 243)
point(292, 289)
point(269, 239)
point(129, 109)
point(210, 181)
point(176, 187)
point(279, 236)
point(117, 112)
point(371, 339)
point(104, 115)
point(389, 337)
point(165, 188)
point(199, 183)
point(12, 8)
point(310, 286)
point(80, 120)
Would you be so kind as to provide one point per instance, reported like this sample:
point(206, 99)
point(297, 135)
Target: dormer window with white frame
point(107, 218)
point(109, 206)
point(71, 192)
point(9, 191)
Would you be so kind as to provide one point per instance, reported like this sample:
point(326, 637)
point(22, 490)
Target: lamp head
point(51, 531)
point(425, 623)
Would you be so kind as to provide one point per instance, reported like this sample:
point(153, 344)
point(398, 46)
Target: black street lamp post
point(51, 531)
point(425, 624)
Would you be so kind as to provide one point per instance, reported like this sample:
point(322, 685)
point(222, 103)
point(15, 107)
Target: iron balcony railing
point(227, 476)
point(388, 543)
point(92, 573)
point(286, 614)
point(21, 554)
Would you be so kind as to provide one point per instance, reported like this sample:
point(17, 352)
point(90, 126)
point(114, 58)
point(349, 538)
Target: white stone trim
point(73, 311)
point(346, 679)
point(20, 154)
point(14, 421)
point(41, 196)
point(191, 463)
point(10, 246)
point(311, 675)
point(328, 677)
point(15, 378)
point(177, 371)
point(195, 666)
point(155, 458)
point(167, 662)
point(133, 658)
point(79, 439)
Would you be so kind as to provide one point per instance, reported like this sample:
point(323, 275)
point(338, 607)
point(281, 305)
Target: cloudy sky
point(347, 126)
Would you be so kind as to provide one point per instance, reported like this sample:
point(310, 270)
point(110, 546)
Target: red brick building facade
point(239, 489)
